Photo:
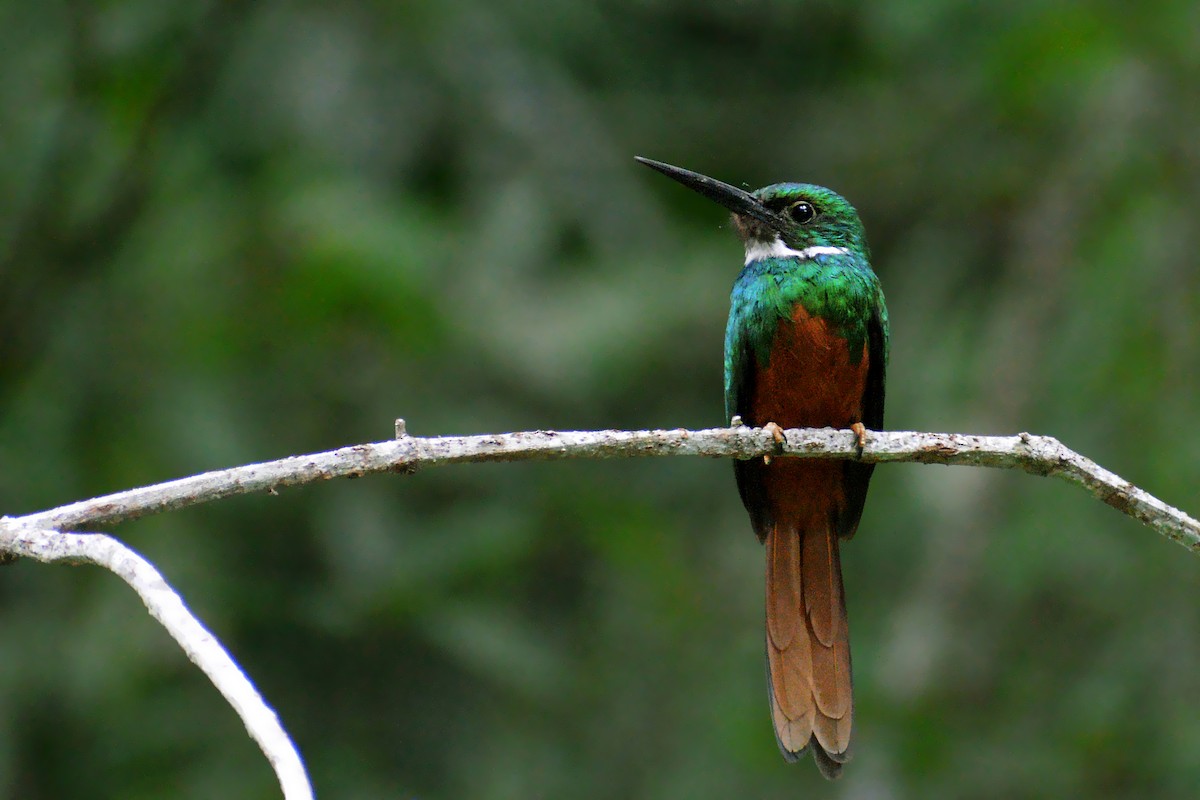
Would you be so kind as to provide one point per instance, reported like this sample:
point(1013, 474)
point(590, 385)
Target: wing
point(741, 366)
point(858, 475)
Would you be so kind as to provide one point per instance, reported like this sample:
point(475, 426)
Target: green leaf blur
point(235, 231)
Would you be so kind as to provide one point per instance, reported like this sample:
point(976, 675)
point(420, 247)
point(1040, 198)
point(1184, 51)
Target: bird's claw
point(780, 440)
point(860, 431)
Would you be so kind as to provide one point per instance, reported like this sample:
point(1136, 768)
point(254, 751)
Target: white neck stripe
point(757, 250)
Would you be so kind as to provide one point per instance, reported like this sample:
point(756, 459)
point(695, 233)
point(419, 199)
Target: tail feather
point(785, 590)
point(808, 645)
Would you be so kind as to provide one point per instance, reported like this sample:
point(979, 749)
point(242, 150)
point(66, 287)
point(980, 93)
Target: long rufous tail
point(808, 644)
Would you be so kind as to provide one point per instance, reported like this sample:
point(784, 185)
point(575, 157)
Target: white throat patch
point(756, 250)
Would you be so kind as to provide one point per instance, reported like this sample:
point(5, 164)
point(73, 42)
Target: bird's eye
point(802, 211)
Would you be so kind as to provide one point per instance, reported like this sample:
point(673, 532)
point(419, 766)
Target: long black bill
point(736, 200)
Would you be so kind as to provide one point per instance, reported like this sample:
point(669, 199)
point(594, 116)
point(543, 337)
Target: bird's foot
point(777, 435)
point(860, 431)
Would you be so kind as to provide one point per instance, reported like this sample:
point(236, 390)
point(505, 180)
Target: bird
point(806, 345)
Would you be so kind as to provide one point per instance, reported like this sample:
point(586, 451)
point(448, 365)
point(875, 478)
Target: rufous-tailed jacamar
point(806, 346)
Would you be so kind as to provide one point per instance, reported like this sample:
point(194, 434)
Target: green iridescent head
point(781, 217)
point(807, 215)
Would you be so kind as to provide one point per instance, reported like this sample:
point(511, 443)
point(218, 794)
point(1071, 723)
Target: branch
point(1039, 455)
point(166, 606)
point(38, 535)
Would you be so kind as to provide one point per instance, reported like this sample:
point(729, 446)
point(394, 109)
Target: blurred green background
point(234, 231)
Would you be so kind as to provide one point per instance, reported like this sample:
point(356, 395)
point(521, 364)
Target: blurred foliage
point(233, 231)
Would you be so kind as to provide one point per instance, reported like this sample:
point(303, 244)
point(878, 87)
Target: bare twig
point(41, 535)
point(167, 607)
point(1040, 455)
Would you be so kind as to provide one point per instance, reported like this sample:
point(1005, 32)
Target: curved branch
point(1039, 455)
point(38, 535)
point(168, 608)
